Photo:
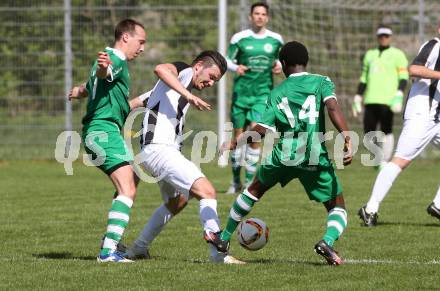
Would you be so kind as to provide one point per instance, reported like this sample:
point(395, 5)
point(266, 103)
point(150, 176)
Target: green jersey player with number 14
point(253, 55)
point(295, 109)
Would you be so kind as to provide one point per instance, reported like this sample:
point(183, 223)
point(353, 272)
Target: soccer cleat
point(214, 239)
point(137, 253)
point(433, 211)
point(369, 219)
point(112, 257)
point(234, 188)
point(226, 259)
point(326, 251)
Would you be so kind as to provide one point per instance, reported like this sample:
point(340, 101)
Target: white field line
point(292, 260)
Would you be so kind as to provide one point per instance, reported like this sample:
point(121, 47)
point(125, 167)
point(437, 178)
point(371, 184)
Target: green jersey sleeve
point(401, 66)
point(115, 68)
point(365, 69)
point(269, 116)
point(233, 51)
point(327, 89)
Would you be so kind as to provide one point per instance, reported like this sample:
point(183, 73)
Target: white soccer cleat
point(137, 253)
point(234, 188)
point(221, 258)
point(231, 260)
point(114, 257)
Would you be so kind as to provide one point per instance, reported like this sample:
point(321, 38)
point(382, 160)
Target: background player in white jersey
point(421, 127)
point(161, 141)
point(253, 55)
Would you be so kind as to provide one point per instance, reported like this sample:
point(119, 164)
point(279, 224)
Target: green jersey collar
point(298, 74)
point(117, 52)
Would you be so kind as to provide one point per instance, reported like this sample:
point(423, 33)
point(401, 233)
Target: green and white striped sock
point(336, 223)
point(236, 167)
point(241, 207)
point(252, 157)
point(118, 217)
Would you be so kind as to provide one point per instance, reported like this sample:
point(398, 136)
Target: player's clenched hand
point(104, 60)
point(242, 69)
point(198, 103)
point(348, 151)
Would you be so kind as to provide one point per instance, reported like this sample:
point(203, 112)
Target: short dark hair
point(260, 4)
point(209, 58)
point(126, 25)
point(294, 53)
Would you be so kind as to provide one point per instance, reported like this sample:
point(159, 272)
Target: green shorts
point(107, 147)
point(242, 116)
point(321, 184)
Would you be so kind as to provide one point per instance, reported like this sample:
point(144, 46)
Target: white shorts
point(416, 135)
point(176, 173)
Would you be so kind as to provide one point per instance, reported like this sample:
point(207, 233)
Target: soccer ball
point(252, 234)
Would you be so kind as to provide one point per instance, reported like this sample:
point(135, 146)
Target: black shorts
point(378, 114)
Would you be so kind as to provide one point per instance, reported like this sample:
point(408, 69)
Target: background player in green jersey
point(383, 80)
point(107, 109)
point(253, 55)
point(295, 109)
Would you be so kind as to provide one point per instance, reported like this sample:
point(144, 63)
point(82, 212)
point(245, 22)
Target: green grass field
point(52, 225)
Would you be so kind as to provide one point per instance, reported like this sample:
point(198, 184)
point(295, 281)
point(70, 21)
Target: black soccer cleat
point(214, 239)
point(332, 257)
point(433, 211)
point(368, 219)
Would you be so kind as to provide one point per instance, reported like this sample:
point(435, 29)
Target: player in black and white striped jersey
point(421, 127)
point(179, 178)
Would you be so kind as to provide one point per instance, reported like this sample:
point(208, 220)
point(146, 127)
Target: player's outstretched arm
point(168, 73)
point(78, 92)
point(243, 138)
point(338, 120)
point(419, 71)
point(140, 101)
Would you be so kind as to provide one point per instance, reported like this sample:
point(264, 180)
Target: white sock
point(208, 215)
point(236, 157)
point(252, 158)
point(388, 146)
point(154, 226)
point(437, 199)
point(383, 183)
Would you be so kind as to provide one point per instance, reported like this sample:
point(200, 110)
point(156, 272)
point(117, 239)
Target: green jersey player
point(107, 89)
point(295, 109)
point(253, 55)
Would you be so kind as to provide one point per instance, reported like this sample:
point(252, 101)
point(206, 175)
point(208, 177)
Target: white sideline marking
point(375, 262)
point(391, 262)
point(298, 261)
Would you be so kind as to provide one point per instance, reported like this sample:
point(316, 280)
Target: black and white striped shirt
point(424, 97)
point(165, 111)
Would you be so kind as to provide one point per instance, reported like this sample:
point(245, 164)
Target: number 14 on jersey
point(308, 110)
